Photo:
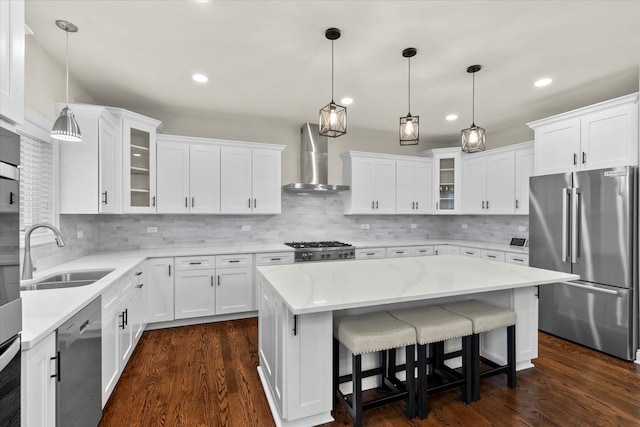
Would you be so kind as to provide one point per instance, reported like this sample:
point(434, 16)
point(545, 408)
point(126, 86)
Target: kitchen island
point(298, 302)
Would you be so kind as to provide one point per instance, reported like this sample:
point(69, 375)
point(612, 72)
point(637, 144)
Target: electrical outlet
point(364, 226)
point(152, 229)
point(80, 234)
point(414, 225)
point(522, 228)
point(246, 228)
point(465, 226)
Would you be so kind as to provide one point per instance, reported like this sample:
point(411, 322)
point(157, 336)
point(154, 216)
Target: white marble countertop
point(44, 311)
point(368, 244)
point(328, 286)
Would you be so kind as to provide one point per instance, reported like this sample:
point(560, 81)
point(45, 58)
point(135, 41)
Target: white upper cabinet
point(598, 136)
point(188, 176)
point(414, 190)
point(138, 136)
point(447, 179)
point(524, 171)
point(82, 190)
point(372, 178)
point(500, 183)
point(250, 179)
point(12, 54)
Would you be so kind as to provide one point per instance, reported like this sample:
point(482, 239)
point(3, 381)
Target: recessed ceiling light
point(451, 117)
point(200, 78)
point(346, 101)
point(543, 82)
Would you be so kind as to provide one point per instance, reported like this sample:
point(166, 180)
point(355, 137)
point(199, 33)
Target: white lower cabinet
point(371, 253)
point(492, 255)
point(125, 331)
point(472, 252)
point(111, 322)
point(234, 290)
point(140, 301)
point(525, 303)
point(160, 294)
point(195, 293)
point(294, 359)
point(38, 401)
point(446, 250)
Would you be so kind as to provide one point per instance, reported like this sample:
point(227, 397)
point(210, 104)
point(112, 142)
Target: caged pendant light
point(66, 127)
point(473, 138)
point(409, 125)
point(333, 117)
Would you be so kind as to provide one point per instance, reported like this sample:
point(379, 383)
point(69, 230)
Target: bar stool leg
point(356, 399)
point(410, 381)
point(336, 370)
point(475, 366)
point(511, 356)
point(467, 369)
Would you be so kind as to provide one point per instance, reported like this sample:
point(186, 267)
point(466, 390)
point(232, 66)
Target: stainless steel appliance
point(10, 301)
point(79, 373)
point(322, 251)
point(586, 223)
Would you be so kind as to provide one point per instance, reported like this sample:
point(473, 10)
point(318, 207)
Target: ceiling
point(271, 58)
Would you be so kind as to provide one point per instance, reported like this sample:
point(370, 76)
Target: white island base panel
point(298, 303)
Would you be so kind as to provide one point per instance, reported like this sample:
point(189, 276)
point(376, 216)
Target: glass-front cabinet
point(447, 179)
point(139, 161)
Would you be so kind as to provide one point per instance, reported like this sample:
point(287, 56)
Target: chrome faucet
point(27, 264)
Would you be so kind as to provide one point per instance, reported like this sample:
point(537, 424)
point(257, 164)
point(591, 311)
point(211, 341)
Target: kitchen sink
point(69, 279)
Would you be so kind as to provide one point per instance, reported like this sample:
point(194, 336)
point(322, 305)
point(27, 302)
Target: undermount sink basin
point(69, 279)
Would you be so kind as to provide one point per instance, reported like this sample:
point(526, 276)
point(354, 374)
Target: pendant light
point(65, 127)
point(473, 138)
point(333, 117)
point(409, 125)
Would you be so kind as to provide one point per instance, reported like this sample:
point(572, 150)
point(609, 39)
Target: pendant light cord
point(409, 90)
point(66, 54)
point(473, 99)
point(331, 71)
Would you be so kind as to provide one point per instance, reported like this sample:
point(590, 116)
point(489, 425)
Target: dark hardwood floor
point(205, 375)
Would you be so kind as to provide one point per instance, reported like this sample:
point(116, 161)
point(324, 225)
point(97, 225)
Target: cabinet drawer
point(398, 252)
point(138, 274)
point(492, 255)
point(422, 250)
point(371, 253)
point(522, 259)
point(474, 252)
point(243, 260)
point(195, 263)
point(110, 298)
point(274, 258)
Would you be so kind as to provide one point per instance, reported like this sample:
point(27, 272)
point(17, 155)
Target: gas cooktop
point(322, 251)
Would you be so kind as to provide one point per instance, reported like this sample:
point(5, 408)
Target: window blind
point(36, 182)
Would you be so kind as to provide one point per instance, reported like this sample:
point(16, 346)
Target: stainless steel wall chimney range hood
point(313, 164)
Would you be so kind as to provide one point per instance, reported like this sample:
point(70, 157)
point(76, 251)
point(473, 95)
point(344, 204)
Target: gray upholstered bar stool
point(487, 317)
point(434, 325)
point(368, 333)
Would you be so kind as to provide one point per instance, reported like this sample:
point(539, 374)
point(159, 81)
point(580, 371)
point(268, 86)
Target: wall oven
point(10, 302)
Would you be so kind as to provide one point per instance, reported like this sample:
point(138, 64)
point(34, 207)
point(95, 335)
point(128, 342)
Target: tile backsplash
point(313, 217)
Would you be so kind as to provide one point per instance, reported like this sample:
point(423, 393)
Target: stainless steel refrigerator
point(586, 223)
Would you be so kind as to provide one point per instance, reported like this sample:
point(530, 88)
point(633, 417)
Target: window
point(36, 182)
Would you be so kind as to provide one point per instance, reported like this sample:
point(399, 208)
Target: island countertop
point(329, 286)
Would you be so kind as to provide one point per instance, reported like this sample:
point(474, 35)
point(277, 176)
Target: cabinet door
point(111, 322)
point(405, 200)
point(447, 179)
point(12, 56)
point(267, 334)
point(195, 293)
point(501, 175)
point(139, 145)
point(39, 384)
point(234, 290)
point(173, 177)
point(139, 309)
point(266, 181)
point(125, 332)
point(557, 147)
point(474, 183)
point(160, 293)
point(423, 187)
point(384, 186)
point(362, 195)
point(610, 138)
point(524, 171)
point(106, 168)
point(235, 180)
point(204, 179)
point(525, 303)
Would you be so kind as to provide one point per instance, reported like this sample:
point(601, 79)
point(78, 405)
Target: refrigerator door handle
point(575, 239)
point(591, 288)
point(565, 222)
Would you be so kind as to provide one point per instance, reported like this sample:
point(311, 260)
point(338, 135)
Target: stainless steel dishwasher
point(79, 391)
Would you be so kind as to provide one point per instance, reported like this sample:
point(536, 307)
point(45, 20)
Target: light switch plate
point(152, 229)
point(246, 228)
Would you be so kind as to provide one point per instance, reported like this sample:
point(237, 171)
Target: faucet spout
point(27, 264)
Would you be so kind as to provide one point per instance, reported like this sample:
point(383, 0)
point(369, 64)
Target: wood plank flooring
point(205, 375)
